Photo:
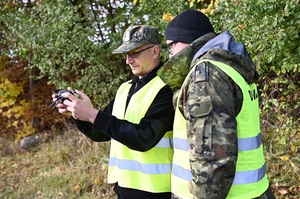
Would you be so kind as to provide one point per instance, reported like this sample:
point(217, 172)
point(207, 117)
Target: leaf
point(167, 17)
point(282, 191)
point(293, 148)
point(296, 168)
point(284, 157)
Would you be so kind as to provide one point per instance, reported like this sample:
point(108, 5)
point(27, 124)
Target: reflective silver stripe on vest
point(164, 143)
point(246, 144)
point(137, 166)
point(246, 177)
point(181, 144)
point(181, 172)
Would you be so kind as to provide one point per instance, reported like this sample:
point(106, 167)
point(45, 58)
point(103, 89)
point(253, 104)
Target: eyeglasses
point(136, 54)
point(169, 45)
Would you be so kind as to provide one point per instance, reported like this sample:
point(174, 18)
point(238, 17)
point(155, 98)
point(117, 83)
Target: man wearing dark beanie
point(218, 147)
point(188, 26)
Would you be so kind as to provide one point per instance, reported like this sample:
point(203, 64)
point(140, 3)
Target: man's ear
point(156, 51)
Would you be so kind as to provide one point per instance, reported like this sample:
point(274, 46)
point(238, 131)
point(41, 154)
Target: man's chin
point(135, 71)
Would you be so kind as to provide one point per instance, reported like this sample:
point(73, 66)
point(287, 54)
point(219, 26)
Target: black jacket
point(143, 136)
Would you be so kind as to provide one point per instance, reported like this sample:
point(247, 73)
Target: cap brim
point(123, 49)
point(128, 46)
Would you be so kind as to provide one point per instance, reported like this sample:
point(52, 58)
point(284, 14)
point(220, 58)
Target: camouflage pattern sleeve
point(208, 104)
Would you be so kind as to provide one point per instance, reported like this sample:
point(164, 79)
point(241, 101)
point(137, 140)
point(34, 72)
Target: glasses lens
point(136, 54)
point(133, 55)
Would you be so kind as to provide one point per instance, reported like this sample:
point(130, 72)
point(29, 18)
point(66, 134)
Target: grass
point(68, 166)
point(71, 166)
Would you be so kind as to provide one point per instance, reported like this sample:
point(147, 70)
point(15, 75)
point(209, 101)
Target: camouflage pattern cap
point(136, 36)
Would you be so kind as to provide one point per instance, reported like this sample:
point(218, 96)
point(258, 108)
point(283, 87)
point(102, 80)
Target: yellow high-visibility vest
point(148, 171)
point(250, 179)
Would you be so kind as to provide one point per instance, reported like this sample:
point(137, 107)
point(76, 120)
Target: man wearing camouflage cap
point(138, 121)
point(218, 148)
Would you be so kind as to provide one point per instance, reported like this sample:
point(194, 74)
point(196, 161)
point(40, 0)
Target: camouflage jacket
point(210, 101)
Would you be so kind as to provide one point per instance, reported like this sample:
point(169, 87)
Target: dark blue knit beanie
point(188, 26)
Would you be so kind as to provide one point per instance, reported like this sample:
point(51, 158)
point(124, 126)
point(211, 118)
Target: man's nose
point(129, 59)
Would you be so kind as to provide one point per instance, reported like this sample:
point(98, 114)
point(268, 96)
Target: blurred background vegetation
point(49, 45)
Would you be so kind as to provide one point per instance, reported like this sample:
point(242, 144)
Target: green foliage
point(63, 41)
point(64, 48)
point(70, 42)
point(269, 30)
